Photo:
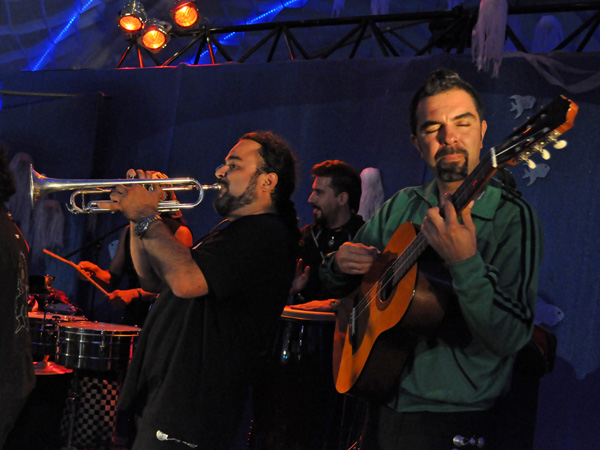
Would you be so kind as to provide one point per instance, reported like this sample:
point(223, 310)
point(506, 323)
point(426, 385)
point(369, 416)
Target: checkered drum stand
point(98, 353)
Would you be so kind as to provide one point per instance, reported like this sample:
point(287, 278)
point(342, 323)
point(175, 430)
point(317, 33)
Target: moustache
point(450, 151)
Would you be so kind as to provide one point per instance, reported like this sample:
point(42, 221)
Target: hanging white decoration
point(338, 5)
point(547, 35)
point(372, 192)
point(380, 6)
point(489, 34)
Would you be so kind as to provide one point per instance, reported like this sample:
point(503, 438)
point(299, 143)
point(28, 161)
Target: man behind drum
point(335, 199)
point(204, 340)
point(303, 409)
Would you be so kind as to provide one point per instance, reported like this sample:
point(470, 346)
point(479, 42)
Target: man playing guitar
point(491, 246)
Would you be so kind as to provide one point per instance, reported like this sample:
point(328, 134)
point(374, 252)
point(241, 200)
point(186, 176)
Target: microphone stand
point(95, 242)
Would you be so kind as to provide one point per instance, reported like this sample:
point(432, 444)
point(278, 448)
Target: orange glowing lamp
point(185, 14)
point(155, 35)
point(130, 24)
point(132, 17)
point(154, 39)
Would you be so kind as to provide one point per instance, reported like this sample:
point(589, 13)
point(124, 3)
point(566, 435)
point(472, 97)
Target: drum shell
point(303, 336)
point(95, 345)
point(296, 405)
point(42, 327)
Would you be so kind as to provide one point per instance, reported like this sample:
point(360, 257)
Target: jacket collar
point(485, 205)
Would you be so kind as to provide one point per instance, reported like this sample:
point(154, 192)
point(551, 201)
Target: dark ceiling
point(83, 34)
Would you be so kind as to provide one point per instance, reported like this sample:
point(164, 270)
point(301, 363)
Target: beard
point(226, 203)
point(319, 217)
point(454, 171)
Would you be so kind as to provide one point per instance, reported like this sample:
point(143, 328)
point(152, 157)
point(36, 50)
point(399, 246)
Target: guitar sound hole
point(386, 286)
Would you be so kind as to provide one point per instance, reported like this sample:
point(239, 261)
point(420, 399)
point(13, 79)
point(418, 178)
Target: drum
point(303, 335)
point(42, 326)
point(95, 345)
point(296, 404)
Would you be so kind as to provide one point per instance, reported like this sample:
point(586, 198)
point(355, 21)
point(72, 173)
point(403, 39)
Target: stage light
point(185, 14)
point(132, 17)
point(155, 35)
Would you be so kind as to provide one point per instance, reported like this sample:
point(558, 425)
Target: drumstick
point(78, 269)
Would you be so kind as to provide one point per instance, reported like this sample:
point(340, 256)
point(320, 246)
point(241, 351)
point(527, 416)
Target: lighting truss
point(447, 31)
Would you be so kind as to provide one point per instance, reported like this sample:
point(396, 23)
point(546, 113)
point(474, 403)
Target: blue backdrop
point(183, 120)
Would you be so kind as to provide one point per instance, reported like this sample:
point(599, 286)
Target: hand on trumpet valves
point(146, 175)
point(135, 201)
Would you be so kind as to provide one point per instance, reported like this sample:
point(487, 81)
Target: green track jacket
point(468, 363)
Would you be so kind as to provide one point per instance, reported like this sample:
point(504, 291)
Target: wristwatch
point(142, 225)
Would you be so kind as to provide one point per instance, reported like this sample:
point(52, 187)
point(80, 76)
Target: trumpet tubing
point(40, 185)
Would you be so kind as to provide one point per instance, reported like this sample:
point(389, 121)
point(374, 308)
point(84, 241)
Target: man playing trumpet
point(135, 300)
point(206, 336)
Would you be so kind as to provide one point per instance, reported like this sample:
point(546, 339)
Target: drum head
point(113, 329)
point(53, 317)
point(300, 314)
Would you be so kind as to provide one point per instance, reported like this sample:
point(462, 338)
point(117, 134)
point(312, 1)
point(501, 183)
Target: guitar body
point(369, 361)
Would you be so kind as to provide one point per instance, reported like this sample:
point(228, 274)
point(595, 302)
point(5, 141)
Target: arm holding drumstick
point(82, 272)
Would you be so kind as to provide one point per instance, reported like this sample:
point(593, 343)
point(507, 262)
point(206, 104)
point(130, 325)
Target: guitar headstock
point(542, 129)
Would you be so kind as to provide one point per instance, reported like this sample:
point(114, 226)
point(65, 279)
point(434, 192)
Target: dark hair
point(278, 157)
point(7, 181)
point(442, 80)
point(344, 178)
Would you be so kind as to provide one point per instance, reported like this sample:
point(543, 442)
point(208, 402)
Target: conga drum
point(303, 336)
point(296, 405)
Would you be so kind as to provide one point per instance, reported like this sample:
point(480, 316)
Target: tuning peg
point(530, 164)
point(560, 144)
point(545, 153)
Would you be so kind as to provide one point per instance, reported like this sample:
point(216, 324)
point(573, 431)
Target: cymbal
point(46, 367)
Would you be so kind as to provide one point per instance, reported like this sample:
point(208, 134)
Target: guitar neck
point(468, 190)
point(541, 129)
point(475, 182)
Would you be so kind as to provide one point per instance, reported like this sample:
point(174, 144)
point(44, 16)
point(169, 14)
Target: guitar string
point(397, 267)
point(476, 176)
point(410, 254)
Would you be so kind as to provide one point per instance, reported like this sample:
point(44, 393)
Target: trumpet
point(40, 185)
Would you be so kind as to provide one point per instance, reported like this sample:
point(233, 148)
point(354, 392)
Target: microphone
point(165, 437)
point(161, 436)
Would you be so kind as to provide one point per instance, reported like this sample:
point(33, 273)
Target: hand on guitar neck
point(452, 240)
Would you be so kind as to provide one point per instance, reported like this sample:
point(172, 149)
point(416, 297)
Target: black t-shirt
point(196, 357)
point(16, 365)
point(315, 243)
point(136, 311)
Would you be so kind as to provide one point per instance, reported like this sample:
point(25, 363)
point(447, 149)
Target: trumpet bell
point(40, 185)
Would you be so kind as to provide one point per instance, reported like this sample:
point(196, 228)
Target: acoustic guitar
point(405, 295)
